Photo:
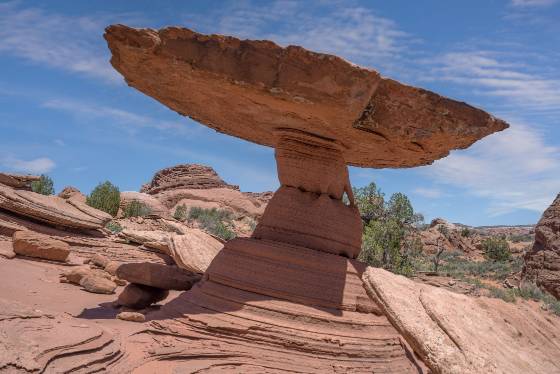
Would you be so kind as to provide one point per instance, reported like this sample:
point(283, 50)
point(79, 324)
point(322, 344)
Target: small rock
point(97, 284)
point(131, 316)
point(139, 296)
point(76, 274)
point(452, 282)
point(99, 260)
point(111, 267)
point(6, 250)
point(159, 276)
point(32, 244)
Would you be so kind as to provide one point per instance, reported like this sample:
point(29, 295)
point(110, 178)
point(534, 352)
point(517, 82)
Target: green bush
point(181, 213)
point(214, 221)
point(136, 209)
point(114, 227)
point(500, 293)
point(496, 249)
point(465, 232)
point(105, 197)
point(44, 186)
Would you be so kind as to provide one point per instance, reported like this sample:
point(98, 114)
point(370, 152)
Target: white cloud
point(430, 193)
point(116, 116)
point(67, 43)
point(342, 28)
point(36, 166)
point(514, 169)
point(505, 80)
point(532, 3)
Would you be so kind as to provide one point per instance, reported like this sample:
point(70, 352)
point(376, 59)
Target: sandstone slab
point(31, 244)
point(194, 250)
point(159, 276)
point(457, 334)
point(18, 181)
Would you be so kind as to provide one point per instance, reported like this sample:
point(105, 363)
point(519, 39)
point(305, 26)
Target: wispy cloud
point(342, 28)
point(430, 193)
point(120, 117)
point(514, 169)
point(532, 3)
point(73, 44)
point(36, 166)
point(507, 80)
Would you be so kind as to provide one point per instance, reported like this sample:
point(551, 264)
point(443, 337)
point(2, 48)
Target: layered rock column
point(308, 209)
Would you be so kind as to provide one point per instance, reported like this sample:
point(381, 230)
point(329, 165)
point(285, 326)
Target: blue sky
point(64, 111)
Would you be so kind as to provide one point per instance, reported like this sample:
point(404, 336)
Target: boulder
point(99, 260)
point(6, 249)
point(32, 244)
point(542, 262)
point(156, 239)
point(159, 276)
point(112, 266)
point(138, 296)
point(194, 250)
point(454, 333)
point(97, 284)
point(53, 210)
point(131, 316)
point(75, 275)
point(17, 181)
point(72, 193)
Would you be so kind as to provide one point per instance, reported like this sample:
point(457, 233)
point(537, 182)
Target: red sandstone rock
point(131, 316)
point(17, 181)
point(97, 284)
point(73, 193)
point(140, 296)
point(31, 244)
point(194, 250)
point(158, 276)
point(542, 262)
point(188, 176)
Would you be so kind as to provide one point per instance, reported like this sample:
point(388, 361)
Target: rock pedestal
point(290, 298)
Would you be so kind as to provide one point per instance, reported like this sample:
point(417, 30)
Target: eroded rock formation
point(290, 298)
point(542, 262)
point(17, 181)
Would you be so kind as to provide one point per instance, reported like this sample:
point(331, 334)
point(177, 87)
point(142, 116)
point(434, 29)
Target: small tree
point(44, 186)
point(105, 197)
point(136, 209)
point(496, 249)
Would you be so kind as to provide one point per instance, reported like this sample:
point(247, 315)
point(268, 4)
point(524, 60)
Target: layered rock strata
point(542, 262)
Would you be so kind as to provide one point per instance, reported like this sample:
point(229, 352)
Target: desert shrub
point(44, 186)
point(136, 209)
point(496, 249)
point(530, 291)
point(465, 232)
point(521, 238)
point(504, 294)
point(552, 304)
point(214, 221)
point(388, 239)
point(181, 213)
point(114, 227)
point(457, 266)
point(106, 197)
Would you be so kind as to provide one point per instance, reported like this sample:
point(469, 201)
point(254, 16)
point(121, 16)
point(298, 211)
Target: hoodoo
point(290, 298)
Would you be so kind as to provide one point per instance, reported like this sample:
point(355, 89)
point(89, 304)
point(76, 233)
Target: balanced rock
point(159, 276)
point(97, 284)
point(131, 316)
point(32, 244)
point(17, 181)
point(138, 296)
point(542, 262)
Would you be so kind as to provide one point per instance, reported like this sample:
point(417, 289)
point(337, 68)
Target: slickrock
point(32, 244)
point(155, 206)
point(36, 341)
point(17, 181)
point(72, 193)
point(290, 298)
point(138, 296)
point(157, 239)
point(454, 333)
point(542, 262)
point(194, 250)
point(52, 210)
point(159, 276)
point(131, 316)
point(98, 284)
point(187, 176)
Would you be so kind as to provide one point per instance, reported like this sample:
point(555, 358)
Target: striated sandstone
point(457, 334)
point(542, 262)
point(17, 181)
point(194, 250)
point(186, 176)
point(32, 244)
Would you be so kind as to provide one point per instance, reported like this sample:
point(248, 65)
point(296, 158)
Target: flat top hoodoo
point(250, 88)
